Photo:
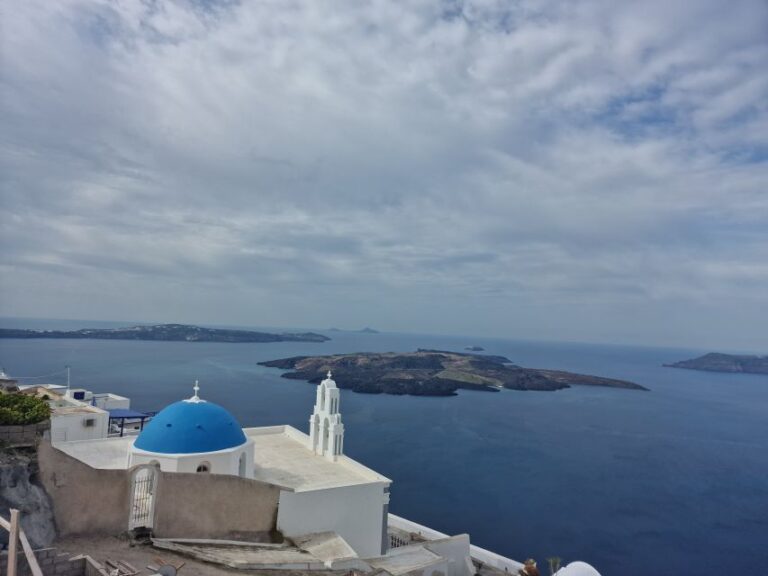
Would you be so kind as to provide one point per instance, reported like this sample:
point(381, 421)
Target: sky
point(589, 171)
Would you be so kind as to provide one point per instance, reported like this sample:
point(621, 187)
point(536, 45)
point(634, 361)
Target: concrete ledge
point(478, 554)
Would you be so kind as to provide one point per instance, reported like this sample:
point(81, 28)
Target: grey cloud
point(378, 162)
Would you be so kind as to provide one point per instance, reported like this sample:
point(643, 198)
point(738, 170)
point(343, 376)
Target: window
point(204, 467)
point(89, 422)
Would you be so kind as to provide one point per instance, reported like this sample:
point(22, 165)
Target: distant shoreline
point(165, 333)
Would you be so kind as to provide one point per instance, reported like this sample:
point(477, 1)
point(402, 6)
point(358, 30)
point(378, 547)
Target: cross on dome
point(329, 375)
point(196, 397)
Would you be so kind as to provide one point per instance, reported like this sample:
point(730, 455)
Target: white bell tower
point(326, 432)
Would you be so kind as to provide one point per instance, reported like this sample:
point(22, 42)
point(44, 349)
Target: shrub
point(17, 409)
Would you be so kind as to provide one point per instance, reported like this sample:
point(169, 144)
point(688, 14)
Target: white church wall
point(353, 512)
point(167, 464)
point(219, 462)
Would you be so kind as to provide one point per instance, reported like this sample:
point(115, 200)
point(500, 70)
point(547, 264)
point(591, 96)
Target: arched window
point(241, 466)
point(204, 467)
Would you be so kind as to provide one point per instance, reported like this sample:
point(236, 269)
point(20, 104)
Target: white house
point(71, 419)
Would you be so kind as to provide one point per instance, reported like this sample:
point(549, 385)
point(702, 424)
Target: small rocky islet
point(432, 373)
point(731, 363)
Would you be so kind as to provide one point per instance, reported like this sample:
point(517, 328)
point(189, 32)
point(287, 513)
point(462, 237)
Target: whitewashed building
point(72, 419)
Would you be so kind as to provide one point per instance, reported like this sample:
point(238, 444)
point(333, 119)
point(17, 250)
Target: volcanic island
point(165, 333)
point(733, 363)
point(433, 373)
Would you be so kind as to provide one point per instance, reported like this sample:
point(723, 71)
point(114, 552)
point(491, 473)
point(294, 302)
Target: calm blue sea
point(672, 481)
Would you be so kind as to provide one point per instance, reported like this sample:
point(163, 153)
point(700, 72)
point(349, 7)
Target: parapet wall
point(85, 500)
point(95, 501)
point(479, 555)
point(214, 506)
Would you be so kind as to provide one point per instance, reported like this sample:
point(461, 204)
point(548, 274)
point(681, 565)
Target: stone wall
point(51, 563)
point(26, 435)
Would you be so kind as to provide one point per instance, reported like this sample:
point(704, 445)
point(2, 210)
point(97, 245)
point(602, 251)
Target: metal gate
point(143, 486)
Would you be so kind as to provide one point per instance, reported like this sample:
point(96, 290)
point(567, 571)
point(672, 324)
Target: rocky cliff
point(19, 488)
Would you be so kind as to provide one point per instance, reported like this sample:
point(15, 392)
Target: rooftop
point(61, 404)
point(282, 458)
point(105, 454)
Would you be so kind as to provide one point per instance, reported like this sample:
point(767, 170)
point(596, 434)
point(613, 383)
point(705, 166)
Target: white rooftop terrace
point(282, 457)
point(103, 453)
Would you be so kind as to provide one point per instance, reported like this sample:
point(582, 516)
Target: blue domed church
point(195, 435)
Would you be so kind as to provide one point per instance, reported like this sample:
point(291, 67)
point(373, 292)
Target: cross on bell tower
point(326, 432)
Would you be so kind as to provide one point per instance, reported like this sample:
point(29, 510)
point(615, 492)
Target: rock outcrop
point(19, 488)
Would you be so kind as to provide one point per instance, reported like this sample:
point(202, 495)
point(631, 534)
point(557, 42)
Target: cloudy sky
point(558, 170)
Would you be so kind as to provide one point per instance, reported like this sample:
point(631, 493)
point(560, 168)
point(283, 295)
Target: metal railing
point(397, 540)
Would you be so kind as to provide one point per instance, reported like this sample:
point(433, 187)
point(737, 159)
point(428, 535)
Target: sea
point(671, 481)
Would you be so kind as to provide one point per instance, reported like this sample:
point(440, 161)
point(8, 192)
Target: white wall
point(71, 427)
point(353, 512)
point(220, 462)
point(480, 554)
point(110, 401)
point(456, 551)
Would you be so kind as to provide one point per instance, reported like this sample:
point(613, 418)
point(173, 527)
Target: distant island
point(716, 362)
point(365, 330)
point(432, 373)
point(166, 332)
point(474, 348)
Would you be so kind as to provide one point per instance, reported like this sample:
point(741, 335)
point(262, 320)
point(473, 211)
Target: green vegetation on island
point(732, 363)
point(167, 332)
point(432, 373)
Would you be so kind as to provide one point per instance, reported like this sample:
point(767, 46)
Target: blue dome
point(190, 427)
